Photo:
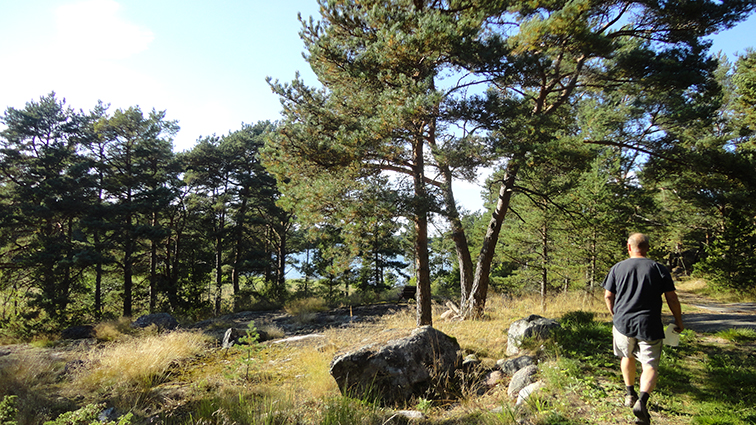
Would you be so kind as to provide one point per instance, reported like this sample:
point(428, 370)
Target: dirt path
point(710, 316)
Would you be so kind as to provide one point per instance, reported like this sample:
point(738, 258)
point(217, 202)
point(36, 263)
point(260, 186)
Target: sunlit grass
point(738, 335)
point(185, 378)
point(137, 362)
point(304, 310)
point(113, 330)
point(723, 295)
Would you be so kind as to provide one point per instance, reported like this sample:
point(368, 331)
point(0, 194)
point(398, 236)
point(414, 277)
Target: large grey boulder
point(533, 326)
point(163, 321)
point(398, 370)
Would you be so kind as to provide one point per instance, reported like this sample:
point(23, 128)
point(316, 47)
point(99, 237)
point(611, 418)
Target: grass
point(723, 295)
point(183, 378)
point(138, 362)
point(738, 335)
point(304, 310)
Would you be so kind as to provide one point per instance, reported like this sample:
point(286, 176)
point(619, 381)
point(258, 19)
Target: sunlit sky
point(204, 62)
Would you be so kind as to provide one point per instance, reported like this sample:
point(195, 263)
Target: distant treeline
point(98, 214)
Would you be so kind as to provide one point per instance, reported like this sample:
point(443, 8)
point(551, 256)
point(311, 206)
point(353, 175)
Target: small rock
point(470, 362)
point(493, 378)
point(511, 366)
point(526, 392)
point(521, 379)
point(412, 415)
point(108, 415)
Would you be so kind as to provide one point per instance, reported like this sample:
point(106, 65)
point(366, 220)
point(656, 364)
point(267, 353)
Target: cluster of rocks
point(412, 366)
point(399, 366)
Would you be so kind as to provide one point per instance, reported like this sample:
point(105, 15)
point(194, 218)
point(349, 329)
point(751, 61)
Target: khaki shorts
point(647, 352)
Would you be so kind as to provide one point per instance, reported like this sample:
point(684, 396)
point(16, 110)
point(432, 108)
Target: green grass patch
point(738, 335)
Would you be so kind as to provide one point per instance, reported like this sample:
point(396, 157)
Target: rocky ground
point(701, 315)
point(293, 326)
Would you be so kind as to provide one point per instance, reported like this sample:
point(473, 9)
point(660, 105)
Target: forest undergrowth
point(186, 378)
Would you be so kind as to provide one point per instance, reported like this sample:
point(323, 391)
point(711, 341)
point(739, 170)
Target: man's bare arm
point(609, 298)
point(674, 306)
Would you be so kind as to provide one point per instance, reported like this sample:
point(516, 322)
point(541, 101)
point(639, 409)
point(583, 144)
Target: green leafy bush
point(88, 415)
point(8, 410)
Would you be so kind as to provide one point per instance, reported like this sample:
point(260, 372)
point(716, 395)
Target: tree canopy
point(591, 119)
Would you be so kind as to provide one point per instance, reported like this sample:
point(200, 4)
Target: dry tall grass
point(130, 371)
point(137, 363)
point(304, 310)
point(308, 364)
point(32, 374)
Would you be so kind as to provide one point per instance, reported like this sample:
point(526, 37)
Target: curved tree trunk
point(476, 301)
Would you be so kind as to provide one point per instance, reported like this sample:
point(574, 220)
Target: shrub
point(8, 410)
point(87, 415)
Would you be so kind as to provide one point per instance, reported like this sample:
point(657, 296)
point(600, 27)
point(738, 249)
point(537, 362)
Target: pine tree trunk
point(218, 273)
point(544, 270)
point(98, 279)
point(476, 301)
point(422, 261)
point(128, 263)
point(460, 239)
point(153, 268)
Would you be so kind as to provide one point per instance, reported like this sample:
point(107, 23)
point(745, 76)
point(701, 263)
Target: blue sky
point(204, 62)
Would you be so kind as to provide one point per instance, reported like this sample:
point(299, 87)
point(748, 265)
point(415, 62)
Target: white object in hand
point(671, 337)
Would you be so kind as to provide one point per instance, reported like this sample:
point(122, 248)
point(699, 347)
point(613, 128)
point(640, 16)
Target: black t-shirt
point(638, 285)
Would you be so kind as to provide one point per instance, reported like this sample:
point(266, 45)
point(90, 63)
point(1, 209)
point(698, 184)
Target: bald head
point(637, 244)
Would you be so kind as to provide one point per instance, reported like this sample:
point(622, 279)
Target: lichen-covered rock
point(397, 370)
point(533, 326)
point(511, 366)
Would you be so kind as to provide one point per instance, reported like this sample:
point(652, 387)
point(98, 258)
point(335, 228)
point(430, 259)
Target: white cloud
point(94, 29)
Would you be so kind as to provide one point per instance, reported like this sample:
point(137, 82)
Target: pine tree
point(46, 187)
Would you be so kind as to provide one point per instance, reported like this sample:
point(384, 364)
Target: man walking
point(633, 290)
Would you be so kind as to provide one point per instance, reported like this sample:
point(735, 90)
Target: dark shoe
point(640, 412)
point(630, 400)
